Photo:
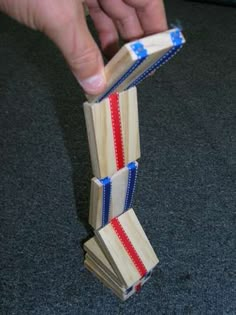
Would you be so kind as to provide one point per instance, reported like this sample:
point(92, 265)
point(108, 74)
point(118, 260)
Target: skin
point(63, 21)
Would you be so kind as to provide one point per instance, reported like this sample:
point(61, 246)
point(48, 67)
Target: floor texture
point(186, 192)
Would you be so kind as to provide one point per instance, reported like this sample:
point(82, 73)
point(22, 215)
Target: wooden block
point(95, 252)
point(97, 263)
point(127, 248)
point(112, 196)
point(119, 291)
point(113, 132)
point(136, 60)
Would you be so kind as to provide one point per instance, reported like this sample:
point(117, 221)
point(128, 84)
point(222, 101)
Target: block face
point(136, 60)
point(97, 263)
point(130, 125)
point(100, 136)
point(119, 192)
point(139, 240)
point(113, 132)
point(107, 203)
point(127, 248)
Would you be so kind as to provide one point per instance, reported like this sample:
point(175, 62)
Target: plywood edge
point(88, 113)
point(101, 266)
point(95, 203)
point(105, 280)
point(92, 248)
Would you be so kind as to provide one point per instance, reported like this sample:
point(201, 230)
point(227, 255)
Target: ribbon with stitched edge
point(131, 251)
point(177, 41)
point(117, 131)
point(141, 53)
point(106, 182)
point(132, 176)
point(106, 199)
point(138, 286)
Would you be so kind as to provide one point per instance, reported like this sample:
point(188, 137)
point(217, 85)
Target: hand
point(64, 22)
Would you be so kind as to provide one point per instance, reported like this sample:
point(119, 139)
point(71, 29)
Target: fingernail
point(93, 84)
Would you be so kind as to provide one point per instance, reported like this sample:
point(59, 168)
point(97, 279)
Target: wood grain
point(117, 254)
point(100, 133)
point(119, 184)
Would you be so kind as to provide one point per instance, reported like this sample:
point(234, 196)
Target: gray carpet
point(186, 194)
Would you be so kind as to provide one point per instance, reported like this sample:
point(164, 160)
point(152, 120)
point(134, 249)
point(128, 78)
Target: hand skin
point(63, 21)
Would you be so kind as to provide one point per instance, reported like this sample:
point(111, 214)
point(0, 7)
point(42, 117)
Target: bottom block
point(109, 282)
point(120, 255)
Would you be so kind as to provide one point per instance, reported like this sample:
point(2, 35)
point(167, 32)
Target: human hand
point(63, 21)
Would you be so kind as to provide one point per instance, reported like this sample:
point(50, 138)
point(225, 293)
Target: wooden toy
point(120, 255)
point(136, 60)
point(113, 132)
point(111, 196)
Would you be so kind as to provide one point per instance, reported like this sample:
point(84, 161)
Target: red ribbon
point(138, 287)
point(131, 251)
point(117, 131)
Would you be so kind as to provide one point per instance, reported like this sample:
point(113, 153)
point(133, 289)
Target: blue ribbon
point(106, 200)
point(128, 290)
point(142, 54)
point(133, 169)
point(177, 41)
point(148, 275)
point(121, 79)
point(176, 37)
point(139, 49)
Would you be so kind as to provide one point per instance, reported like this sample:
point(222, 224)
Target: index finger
point(151, 14)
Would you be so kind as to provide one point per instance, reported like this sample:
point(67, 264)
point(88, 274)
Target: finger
point(70, 32)
point(125, 18)
point(105, 27)
point(151, 15)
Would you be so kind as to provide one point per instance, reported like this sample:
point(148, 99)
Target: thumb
point(71, 34)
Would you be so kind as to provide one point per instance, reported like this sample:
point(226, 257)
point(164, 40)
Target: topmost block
point(136, 60)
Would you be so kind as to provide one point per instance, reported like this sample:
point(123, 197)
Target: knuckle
point(54, 21)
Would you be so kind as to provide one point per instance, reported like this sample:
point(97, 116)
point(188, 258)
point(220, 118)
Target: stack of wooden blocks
point(120, 254)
